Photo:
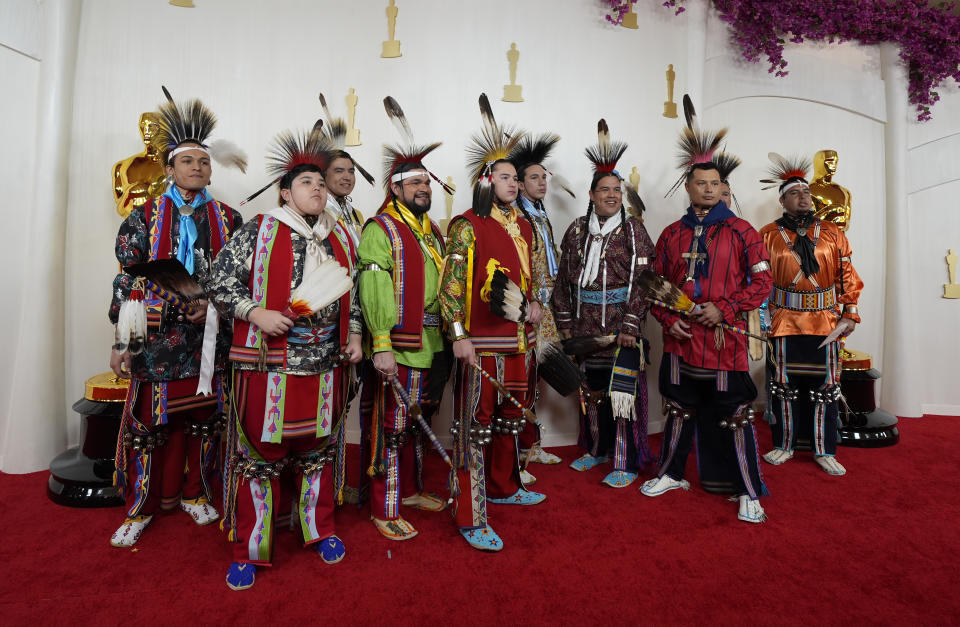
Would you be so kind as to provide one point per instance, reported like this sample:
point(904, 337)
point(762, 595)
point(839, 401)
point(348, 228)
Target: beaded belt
point(310, 335)
point(614, 296)
point(804, 301)
point(431, 320)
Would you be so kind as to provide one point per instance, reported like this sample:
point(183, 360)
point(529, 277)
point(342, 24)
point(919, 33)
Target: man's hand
point(271, 322)
point(534, 313)
point(708, 315)
point(385, 362)
point(627, 340)
point(353, 350)
point(120, 364)
point(566, 334)
point(199, 315)
point(845, 327)
point(680, 330)
point(463, 350)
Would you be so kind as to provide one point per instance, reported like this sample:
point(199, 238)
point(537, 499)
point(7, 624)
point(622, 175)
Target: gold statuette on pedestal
point(831, 202)
point(670, 107)
point(630, 18)
point(449, 198)
point(391, 47)
point(353, 133)
point(951, 289)
point(511, 92)
point(139, 177)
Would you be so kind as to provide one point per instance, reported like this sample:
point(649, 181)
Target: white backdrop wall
point(259, 66)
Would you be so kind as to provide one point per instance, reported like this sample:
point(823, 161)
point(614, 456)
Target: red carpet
point(878, 546)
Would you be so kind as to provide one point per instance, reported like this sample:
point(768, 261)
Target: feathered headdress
point(726, 164)
point(635, 206)
point(290, 149)
point(193, 121)
point(784, 170)
point(535, 150)
point(335, 130)
point(494, 142)
point(605, 155)
point(398, 159)
point(696, 144)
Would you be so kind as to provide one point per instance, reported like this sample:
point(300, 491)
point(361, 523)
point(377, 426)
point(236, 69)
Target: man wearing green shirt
point(400, 254)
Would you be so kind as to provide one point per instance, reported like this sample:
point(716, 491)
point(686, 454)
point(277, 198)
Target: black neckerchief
point(802, 245)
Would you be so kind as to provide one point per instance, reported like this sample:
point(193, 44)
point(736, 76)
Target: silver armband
point(371, 266)
point(761, 266)
point(458, 331)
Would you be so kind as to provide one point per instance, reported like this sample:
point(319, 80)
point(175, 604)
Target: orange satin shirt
point(833, 252)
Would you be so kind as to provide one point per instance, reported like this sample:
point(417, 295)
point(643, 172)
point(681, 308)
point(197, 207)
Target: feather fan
point(324, 285)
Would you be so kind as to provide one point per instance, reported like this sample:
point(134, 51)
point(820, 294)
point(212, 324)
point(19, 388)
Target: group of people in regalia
point(246, 342)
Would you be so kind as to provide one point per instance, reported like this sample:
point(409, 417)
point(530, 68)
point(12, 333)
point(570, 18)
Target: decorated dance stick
point(414, 410)
point(168, 280)
point(667, 295)
point(168, 297)
point(722, 325)
point(529, 415)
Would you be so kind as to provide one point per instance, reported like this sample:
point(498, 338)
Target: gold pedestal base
point(629, 20)
point(106, 387)
point(391, 49)
point(669, 109)
point(855, 360)
point(511, 93)
point(353, 137)
point(951, 290)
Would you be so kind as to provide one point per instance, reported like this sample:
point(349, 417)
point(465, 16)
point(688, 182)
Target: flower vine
point(927, 34)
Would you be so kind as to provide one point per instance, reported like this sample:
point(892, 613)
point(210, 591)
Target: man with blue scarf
point(168, 442)
point(720, 262)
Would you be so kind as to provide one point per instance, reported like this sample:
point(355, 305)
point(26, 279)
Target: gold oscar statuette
point(951, 289)
point(391, 47)
point(629, 18)
point(831, 202)
point(449, 199)
point(511, 92)
point(139, 177)
point(670, 107)
point(353, 133)
point(634, 177)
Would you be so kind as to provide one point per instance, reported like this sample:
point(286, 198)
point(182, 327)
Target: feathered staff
point(665, 294)
point(193, 121)
point(167, 280)
point(696, 145)
point(635, 206)
point(335, 131)
point(494, 142)
point(408, 151)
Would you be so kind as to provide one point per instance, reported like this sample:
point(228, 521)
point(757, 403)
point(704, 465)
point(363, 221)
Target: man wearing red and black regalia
point(167, 451)
point(721, 263)
point(491, 239)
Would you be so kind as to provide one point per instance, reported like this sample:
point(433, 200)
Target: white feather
point(228, 154)
point(328, 282)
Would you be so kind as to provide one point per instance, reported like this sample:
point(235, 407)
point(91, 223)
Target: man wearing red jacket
point(721, 263)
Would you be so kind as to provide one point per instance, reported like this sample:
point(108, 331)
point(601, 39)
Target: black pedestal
point(864, 425)
point(83, 476)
